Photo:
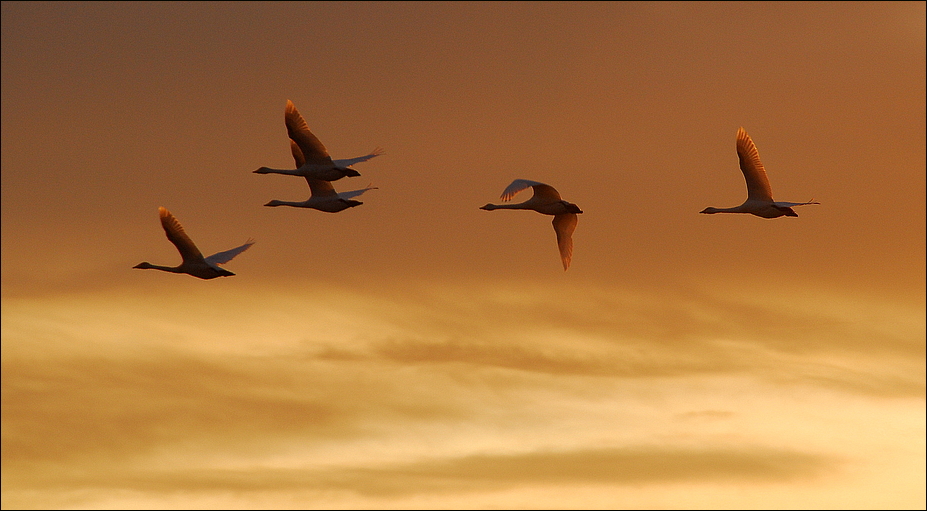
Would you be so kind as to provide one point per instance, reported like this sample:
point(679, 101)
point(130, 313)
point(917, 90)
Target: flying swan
point(318, 164)
point(193, 261)
point(546, 200)
point(322, 194)
point(759, 194)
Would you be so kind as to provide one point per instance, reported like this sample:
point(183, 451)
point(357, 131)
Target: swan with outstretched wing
point(759, 194)
point(547, 201)
point(193, 263)
point(317, 163)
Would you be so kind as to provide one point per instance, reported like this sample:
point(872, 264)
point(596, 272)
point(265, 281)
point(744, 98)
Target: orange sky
point(439, 349)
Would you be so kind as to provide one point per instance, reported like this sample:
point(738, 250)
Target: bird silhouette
point(193, 261)
point(317, 163)
point(759, 194)
point(322, 194)
point(546, 200)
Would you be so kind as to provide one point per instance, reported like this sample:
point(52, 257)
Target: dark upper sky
point(629, 109)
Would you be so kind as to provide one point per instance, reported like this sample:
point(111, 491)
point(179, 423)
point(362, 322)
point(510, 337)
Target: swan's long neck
point(285, 203)
point(268, 170)
point(490, 207)
point(149, 266)
point(736, 209)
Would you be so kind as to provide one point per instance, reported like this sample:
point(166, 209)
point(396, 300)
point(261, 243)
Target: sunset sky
point(417, 352)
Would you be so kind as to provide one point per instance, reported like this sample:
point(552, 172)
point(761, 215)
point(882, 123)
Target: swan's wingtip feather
point(290, 108)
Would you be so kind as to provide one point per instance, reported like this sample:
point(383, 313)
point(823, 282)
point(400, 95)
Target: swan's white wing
point(540, 189)
point(517, 186)
point(790, 204)
point(546, 192)
point(228, 255)
point(351, 161)
point(178, 237)
point(297, 154)
point(754, 174)
point(564, 225)
point(298, 130)
point(321, 188)
point(355, 193)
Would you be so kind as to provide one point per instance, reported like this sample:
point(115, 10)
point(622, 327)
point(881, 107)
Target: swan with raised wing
point(193, 261)
point(322, 194)
point(317, 164)
point(546, 200)
point(759, 194)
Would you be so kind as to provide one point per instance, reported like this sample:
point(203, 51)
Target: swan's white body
point(193, 261)
point(317, 163)
point(322, 194)
point(546, 200)
point(759, 194)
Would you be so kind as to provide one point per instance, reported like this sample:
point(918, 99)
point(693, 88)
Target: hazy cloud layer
point(484, 472)
point(101, 396)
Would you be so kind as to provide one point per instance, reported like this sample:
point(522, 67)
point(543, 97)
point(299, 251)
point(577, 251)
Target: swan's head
point(489, 207)
point(709, 210)
point(274, 202)
point(349, 172)
point(143, 266)
point(572, 208)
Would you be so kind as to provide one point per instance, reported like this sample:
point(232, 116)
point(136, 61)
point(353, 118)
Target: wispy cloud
point(476, 473)
point(370, 397)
